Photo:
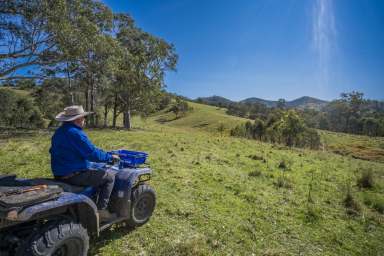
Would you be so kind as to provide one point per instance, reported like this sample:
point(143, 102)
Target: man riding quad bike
point(56, 216)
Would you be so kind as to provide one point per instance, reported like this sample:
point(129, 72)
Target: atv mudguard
point(82, 206)
point(125, 180)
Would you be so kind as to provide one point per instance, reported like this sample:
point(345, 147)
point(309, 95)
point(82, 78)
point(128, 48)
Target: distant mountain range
point(301, 103)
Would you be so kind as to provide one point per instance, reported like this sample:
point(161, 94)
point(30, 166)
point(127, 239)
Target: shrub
point(221, 129)
point(256, 157)
point(239, 131)
point(286, 164)
point(283, 182)
point(366, 180)
point(312, 214)
point(374, 202)
point(352, 205)
point(254, 173)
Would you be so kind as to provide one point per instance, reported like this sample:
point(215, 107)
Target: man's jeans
point(101, 179)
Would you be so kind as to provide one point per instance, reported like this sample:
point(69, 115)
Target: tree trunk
point(114, 112)
point(127, 119)
point(92, 102)
point(70, 86)
point(105, 116)
point(86, 94)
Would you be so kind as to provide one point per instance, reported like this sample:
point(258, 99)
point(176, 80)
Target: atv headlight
point(144, 177)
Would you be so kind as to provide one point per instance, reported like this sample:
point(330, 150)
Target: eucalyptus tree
point(43, 33)
point(26, 36)
point(140, 76)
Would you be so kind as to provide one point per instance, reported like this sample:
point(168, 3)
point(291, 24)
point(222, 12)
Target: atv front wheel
point(57, 239)
point(143, 204)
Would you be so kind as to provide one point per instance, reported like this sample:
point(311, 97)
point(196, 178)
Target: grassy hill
point(229, 196)
point(201, 117)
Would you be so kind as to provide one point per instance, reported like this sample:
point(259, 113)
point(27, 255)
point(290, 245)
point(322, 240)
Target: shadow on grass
point(22, 133)
point(107, 236)
point(163, 120)
point(200, 125)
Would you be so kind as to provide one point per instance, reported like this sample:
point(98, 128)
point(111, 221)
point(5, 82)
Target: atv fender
point(134, 177)
point(126, 179)
point(83, 207)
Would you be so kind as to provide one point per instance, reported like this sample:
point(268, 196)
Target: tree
point(140, 75)
point(281, 104)
point(45, 34)
point(371, 126)
point(337, 115)
point(101, 54)
point(25, 84)
point(354, 100)
point(259, 129)
point(291, 125)
point(164, 101)
point(180, 108)
point(8, 104)
point(323, 122)
point(18, 111)
point(51, 97)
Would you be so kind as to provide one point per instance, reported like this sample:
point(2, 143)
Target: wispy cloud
point(324, 37)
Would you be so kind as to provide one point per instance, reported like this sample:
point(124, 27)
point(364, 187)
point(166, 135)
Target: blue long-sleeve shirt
point(72, 151)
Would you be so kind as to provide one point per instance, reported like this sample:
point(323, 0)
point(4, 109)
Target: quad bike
point(49, 217)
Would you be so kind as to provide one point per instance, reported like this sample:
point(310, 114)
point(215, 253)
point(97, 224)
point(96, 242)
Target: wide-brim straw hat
point(71, 113)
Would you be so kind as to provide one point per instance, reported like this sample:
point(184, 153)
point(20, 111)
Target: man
point(72, 154)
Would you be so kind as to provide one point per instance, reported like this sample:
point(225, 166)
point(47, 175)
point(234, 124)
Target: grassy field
point(219, 195)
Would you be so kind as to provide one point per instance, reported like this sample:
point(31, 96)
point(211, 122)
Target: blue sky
point(268, 48)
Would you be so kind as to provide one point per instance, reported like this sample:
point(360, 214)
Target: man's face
point(80, 122)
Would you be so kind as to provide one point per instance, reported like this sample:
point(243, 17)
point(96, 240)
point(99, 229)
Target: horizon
point(258, 48)
point(288, 100)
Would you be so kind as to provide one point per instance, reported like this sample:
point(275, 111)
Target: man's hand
point(115, 158)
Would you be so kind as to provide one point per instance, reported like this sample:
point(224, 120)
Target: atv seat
point(65, 186)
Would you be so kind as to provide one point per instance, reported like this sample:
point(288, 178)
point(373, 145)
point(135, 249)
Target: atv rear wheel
point(143, 204)
point(57, 239)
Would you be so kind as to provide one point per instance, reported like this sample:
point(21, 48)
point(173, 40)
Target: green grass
point(216, 198)
point(356, 146)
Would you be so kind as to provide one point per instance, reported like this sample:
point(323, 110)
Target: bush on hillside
point(283, 182)
point(351, 204)
point(286, 164)
point(239, 131)
point(366, 180)
point(375, 202)
point(280, 127)
point(18, 111)
point(180, 108)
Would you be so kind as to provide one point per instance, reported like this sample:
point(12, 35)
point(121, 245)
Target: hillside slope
point(228, 196)
point(209, 118)
point(202, 117)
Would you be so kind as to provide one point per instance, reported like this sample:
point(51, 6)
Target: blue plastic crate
point(130, 158)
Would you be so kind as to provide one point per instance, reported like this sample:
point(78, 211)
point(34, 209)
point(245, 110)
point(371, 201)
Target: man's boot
point(106, 216)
